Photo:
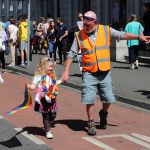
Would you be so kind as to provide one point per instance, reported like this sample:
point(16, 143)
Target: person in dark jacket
point(146, 19)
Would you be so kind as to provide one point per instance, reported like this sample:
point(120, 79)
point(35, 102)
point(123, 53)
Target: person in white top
point(12, 31)
point(3, 39)
point(80, 21)
point(80, 26)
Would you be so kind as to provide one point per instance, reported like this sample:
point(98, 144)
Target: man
point(80, 21)
point(94, 42)
point(80, 27)
point(23, 39)
point(12, 31)
point(7, 23)
point(61, 38)
point(145, 19)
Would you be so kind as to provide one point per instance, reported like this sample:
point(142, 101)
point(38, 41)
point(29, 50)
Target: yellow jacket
point(23, 31)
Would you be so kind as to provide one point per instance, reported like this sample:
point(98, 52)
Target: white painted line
point(1, 117)
point(142, 137)
point(135, 140)
point(30, 136)
point(98, 143)
point(109, 136)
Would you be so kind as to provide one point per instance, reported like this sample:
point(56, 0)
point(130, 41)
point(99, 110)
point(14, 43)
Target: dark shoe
point(136, 67)
point(103, 119)
point(91, 128)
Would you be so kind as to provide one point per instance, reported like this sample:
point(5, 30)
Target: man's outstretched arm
point(141, 37)
point(65, 74)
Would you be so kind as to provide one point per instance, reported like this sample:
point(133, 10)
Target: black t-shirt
point(61, 31)
point(52, 35)
point(146, 20)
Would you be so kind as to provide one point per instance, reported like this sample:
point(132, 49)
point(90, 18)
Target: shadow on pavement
point(14, 141)
point(33, 130)
point(75, 125)
point(76, 75)
point(11, 143)
point(108, 124)
point(78, 125)
point(121, 67)
point(144, 92)
point(147, 66)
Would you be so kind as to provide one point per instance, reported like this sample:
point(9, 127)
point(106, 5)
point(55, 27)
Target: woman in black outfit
point(52, 40)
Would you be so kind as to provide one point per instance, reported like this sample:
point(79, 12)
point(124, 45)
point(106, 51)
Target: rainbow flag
point(26, 103)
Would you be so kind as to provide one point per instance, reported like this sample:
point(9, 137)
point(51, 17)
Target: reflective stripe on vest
point(95, 57)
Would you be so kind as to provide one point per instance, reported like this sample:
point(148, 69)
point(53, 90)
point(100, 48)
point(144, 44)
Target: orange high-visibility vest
point(95, 57)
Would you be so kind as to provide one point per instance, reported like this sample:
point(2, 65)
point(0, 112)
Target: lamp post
point(28, 53)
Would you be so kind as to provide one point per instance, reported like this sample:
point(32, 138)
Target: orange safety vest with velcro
point(95, 57)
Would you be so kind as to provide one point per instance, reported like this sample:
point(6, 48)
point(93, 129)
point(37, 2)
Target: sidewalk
point(131, 86)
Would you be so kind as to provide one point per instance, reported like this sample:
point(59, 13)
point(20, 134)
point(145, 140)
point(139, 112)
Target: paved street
point(39, 26)
point(127, 125)
point(21, 130)
point(131, 86)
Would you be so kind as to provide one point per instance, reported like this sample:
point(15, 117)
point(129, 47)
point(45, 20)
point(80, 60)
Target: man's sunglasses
point(88, 18)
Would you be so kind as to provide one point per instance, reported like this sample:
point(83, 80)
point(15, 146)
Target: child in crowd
point(45, 83)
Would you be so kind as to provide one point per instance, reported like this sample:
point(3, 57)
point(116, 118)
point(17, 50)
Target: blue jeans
point(52, 50)
point(133, 53)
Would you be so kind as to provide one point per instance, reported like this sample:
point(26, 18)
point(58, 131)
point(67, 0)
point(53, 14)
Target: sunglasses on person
point(88, 18)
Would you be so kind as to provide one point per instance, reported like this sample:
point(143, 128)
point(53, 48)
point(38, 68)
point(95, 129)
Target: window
point(19, 8)
point(11, 8)
point(2, 7)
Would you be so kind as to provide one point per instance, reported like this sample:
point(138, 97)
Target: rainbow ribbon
point(27, 103)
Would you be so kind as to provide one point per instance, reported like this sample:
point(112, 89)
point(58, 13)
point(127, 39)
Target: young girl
point(45, 83)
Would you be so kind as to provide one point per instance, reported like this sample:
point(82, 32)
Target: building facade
point(113, 12)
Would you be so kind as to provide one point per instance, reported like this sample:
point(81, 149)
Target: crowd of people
point(93, 40)
point(45, 37)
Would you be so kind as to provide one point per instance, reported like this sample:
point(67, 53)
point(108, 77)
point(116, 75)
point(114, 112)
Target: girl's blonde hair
point(43, 64)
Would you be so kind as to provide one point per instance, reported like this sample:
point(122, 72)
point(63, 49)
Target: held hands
point(59, 81)
point(65, 76)
point(31, 86)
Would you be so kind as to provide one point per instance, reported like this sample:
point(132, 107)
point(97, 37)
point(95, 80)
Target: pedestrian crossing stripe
point(30, 136)
point(136, 138)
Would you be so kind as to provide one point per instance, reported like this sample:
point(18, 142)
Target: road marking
point(98, 143)
point(135, 140)
point(109, 136)
point(1, 117)
point(30, 136)
point(134, 137)
point(142, 137)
